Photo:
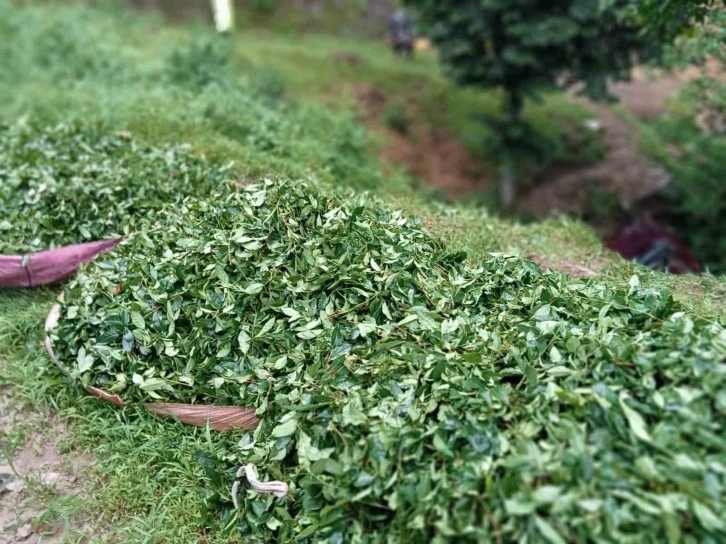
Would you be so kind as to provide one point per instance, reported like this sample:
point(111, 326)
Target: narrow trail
point(625, 172)
point(435, 156)
point(37, 475)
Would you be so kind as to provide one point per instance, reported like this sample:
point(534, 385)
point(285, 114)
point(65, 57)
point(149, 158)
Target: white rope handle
point(279, 489)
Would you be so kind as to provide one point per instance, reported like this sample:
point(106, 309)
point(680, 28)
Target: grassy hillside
point(250, 107)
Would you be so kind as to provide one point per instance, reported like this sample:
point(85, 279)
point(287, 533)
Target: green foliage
point(405, 394)
point(697, 158)
point(58, 51)
point(706, 95)
point(525, 46)
point(269, 83)
point(395, 117)
point(197, 66)
point(699, 42)
point(669, 19)
point(64, 185)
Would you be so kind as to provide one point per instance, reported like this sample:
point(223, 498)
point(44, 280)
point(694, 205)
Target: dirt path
point(445, 163)
point(625, 171)
point(41, 498)
point(647, 94)
point(435, 156)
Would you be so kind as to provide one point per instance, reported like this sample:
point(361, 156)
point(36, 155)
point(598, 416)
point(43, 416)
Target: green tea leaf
point(547, 531)
point(254, 288)
point(285, 429)
point(128, 342)
point(84, 361)
point(244, 341)
point(138, 320)
point(707, 518)
point(635, 420)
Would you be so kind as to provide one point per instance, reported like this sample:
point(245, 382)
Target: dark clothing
point(402, 47)
point(400, 33)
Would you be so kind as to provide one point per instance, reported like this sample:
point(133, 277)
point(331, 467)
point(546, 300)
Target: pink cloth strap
point(49, 266)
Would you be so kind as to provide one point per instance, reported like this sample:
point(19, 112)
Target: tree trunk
point(507, 168)
point(507, 184)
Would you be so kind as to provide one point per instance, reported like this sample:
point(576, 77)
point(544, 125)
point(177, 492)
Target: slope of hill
point(254, 106)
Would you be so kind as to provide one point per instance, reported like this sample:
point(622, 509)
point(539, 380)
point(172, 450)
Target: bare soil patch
point(35, 475)
point(625, 172)
point(648, 92)
point(433, 154)
point(571, 267)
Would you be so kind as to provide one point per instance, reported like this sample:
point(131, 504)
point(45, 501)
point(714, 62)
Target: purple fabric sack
point(49, 266)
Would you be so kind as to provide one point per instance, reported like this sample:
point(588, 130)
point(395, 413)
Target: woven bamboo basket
point(219, 418)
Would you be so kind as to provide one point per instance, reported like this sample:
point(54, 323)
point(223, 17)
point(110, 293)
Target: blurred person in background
point(223, 15)
point(400, 33)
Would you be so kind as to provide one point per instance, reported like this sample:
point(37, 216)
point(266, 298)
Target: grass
point(343, 18)
point(311, 71)
point(116, 84)
point(148, 478)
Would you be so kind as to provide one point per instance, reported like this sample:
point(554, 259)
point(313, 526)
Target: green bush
point(395, 117)
point(55, 49)
point(269, 83)
point(696, 197)
point(197, 66)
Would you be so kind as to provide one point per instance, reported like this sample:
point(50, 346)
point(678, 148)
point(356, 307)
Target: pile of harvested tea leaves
point(405, 394)
point(68, 184)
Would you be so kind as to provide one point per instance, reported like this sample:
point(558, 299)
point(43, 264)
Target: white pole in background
point(223, 15)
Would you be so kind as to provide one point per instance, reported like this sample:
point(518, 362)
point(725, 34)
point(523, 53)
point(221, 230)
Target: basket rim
point(219, 418)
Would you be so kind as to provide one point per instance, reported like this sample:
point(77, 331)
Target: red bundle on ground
point(49, 266)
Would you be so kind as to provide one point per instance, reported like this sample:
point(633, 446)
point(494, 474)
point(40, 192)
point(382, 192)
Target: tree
point(694, 203)
point(526, 46)
point(668, 19)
